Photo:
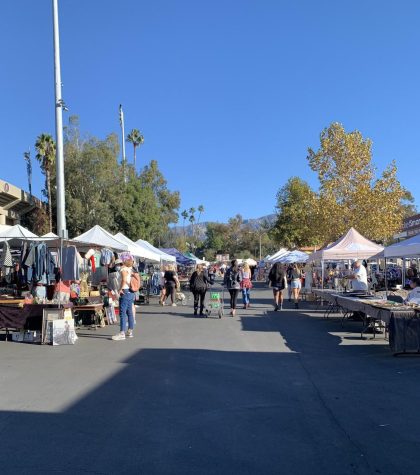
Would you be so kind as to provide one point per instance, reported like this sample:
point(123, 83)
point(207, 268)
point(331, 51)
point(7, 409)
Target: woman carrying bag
point(246, 284)
point(199, 283)
point(232, 281)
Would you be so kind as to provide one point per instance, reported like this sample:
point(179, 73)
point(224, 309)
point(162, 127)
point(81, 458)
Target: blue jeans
point(126, 310)
point(245, 296)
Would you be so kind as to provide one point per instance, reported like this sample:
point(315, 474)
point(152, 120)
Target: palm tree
point(192, 220)
point(184, 215)
point(45, 147)
point(136, 138)
point(200, 212)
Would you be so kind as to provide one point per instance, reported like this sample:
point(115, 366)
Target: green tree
point(216, 237)
point(45, 147)
point(135, 137)
point(168, 201)
point(94, 183)
point(295, 225)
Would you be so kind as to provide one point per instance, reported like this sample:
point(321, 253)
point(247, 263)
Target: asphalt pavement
point(263, 392)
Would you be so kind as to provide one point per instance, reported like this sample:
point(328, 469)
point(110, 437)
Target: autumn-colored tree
point(349, 192)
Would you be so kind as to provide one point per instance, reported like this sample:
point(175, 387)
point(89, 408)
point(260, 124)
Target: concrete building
point(14, 203)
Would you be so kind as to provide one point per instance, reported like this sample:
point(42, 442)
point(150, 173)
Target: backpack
point(135, 282)
point(232, 279)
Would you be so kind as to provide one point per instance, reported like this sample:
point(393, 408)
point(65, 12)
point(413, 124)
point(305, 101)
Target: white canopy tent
point(293, 257)
point(98, 236)
point(280, 253)
point(408, 248)
point(50, 236)
point(163, 256)
point(351, 245)
point(16, 232)
point(137, 250)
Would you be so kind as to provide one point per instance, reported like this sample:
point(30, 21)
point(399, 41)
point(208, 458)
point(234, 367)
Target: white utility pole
point(123, 134)
point(59, 105)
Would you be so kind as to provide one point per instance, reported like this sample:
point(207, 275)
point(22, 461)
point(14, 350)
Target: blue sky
point(227, 93)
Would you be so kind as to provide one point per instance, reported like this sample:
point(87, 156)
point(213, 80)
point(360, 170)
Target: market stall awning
point(16, 232)
point(163, 256)
point(137, 250)
point(98, 236)
point(351, 245)
point(294, 257)
point(281, 252)
point(197, 260)
point(50, 236)
point(181, 259)
point(408, 248)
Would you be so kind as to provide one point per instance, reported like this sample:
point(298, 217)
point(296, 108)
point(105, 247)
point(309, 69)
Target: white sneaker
point(174, 305)
point(119, 336)
point(163, 304)
point(129, 334)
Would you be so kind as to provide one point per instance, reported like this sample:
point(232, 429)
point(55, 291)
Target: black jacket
point(199, 281)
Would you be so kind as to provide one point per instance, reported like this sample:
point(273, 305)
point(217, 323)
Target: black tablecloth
point(28, 318)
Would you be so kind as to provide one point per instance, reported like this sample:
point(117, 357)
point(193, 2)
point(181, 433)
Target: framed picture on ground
point(49, 315)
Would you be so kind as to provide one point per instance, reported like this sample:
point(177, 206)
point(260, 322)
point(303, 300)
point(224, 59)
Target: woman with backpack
point(199, 283)
point(232, 280)
point(278, 282)
point(246, 284)
point(127, 295)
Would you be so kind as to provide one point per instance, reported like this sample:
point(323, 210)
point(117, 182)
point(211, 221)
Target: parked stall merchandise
point(46, 273)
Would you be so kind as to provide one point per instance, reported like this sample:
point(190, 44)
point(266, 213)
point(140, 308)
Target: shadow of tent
point(171, 411)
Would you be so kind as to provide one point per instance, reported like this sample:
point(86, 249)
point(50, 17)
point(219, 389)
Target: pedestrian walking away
point(296, 283)
point(126, 301)
point(246, 284)
point(162, 284)
point(289, 269)
point(199, 283)
point(232, 280)
point(171, 284)
point(278, 282)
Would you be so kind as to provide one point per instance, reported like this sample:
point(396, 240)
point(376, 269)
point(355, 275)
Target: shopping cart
point(215, 304)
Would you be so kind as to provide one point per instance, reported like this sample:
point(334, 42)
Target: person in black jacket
point(278, 282)
point(199, 283)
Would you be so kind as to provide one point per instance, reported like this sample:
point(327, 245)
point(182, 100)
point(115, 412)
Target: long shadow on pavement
point(175, 411)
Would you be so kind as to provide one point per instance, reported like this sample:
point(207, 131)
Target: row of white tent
point(96, 236)
point(350, 246)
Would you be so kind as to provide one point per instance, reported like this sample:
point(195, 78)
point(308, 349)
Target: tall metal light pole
point(59, 105)
point(123, 138)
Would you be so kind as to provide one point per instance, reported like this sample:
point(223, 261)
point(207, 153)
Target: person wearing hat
point(126, 299)
point(359, 276)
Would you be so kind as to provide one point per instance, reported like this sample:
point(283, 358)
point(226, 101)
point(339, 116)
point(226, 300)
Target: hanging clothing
point(92, 264)
point(6, 261)
point(70, 264)
point(106, 257)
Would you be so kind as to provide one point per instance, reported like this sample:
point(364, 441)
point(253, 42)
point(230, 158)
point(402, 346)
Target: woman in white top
point(126, 301)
